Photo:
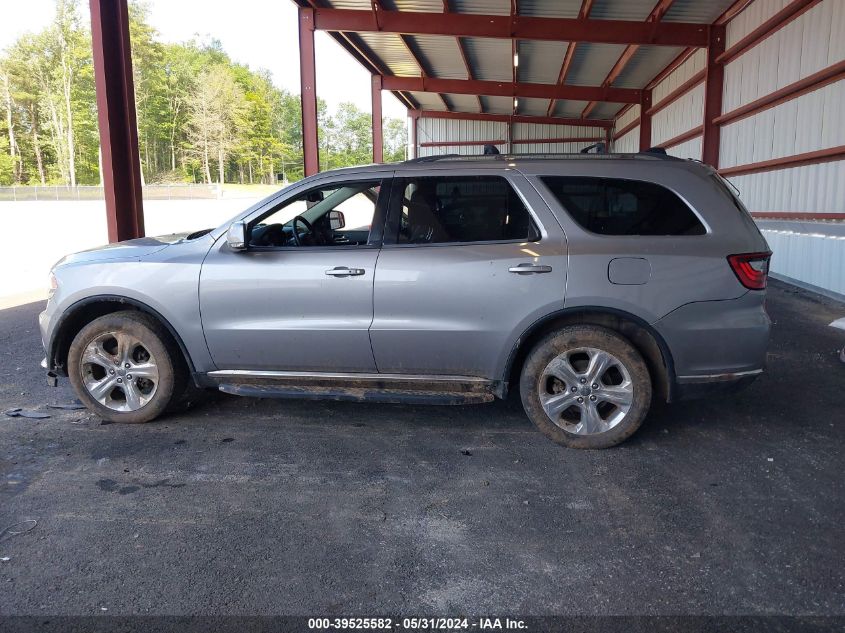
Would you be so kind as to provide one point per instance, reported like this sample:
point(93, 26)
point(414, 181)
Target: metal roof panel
point(592, 62)
point(483, 7)
point(568, 109)
point(497, 105)
point(550, 8)
point(490, 58)
point(636, 10)
point(696, 11)
point(646, 63)
point(392, 52)
point(540, 62)
point(442, 55)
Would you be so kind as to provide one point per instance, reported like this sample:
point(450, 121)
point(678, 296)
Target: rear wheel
point(123, 368)
point(585, 386)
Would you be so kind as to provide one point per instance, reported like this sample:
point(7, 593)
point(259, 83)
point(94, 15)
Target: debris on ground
point(73, 406)
point(26, 413)
point(10, 531)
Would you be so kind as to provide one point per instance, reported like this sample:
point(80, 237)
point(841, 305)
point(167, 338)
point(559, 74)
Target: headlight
point(52, 285)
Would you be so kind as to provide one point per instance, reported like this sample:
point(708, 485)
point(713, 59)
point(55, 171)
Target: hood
point(129, 249)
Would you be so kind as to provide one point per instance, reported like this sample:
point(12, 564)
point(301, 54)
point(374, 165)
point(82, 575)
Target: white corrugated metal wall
point(807, 252)
point(684, 113)
point(437, 136)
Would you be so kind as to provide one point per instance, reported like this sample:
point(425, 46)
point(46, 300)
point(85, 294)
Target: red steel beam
point(506, 118)
point(682, 138)
point(504, 89)
point(574, 139)
point(678, 92)
point(672, 67)
point(508, 27)
point(828, 155)
point(308, 94)
point(645, 121)
point(378, 136)
point(732, 11)
point(767, 28)
point(623, 131)
point(796, 215)
point(810, 83)
point(117, 119)
point(714, 82)
point(461, 143)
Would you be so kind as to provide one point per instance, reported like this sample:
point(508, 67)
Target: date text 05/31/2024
point(417, 624)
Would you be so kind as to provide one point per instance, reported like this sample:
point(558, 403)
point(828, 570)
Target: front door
point(468, 263)
point(300, 298)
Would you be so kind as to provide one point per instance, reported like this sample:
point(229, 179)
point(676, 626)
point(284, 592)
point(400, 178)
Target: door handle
point(528, 269)
point(344, 271)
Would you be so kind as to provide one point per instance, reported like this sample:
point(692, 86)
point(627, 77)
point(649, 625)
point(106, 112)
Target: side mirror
point(236, 236)
point(336, 220)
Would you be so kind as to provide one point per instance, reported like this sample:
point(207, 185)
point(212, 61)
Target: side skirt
point(356, 387)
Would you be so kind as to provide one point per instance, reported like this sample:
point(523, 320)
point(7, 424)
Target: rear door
point(470, 260)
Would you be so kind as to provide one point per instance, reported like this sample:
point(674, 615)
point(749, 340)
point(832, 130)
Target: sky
point(259, 33)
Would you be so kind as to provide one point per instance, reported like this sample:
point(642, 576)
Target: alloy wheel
point(119, 372)
point(586, 391)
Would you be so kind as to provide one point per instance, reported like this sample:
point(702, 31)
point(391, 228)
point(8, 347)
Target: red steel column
point(308, 95)
point(116, 115)
point(378, 137)
point(645, 121)
point(714, 80)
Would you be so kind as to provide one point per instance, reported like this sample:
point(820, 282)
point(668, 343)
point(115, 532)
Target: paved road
point(729, 506)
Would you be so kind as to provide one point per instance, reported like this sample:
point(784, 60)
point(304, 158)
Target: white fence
point(84, 192)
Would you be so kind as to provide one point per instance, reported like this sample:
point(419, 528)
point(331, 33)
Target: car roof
point(529, 161)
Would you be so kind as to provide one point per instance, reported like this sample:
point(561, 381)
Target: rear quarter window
point(614, 206)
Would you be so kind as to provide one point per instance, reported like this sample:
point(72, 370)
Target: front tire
point(585, 386)
point(123, 367)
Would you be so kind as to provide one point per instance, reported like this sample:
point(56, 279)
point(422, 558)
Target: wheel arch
point(78, 315)
point(647, 341)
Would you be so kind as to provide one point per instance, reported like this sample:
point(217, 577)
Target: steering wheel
point(305, 223)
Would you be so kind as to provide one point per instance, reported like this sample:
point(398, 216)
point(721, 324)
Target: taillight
point(751, 269)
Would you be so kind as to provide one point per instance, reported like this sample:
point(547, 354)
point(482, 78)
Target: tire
point(98, 359)
point(607, 414)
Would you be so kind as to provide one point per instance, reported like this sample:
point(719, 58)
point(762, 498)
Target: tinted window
point(438, 210)
point(611, 206)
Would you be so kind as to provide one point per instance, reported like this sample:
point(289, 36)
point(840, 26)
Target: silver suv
point(590, 283)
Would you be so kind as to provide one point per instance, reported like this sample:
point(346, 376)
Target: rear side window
point(613, 206)
point(459, 209)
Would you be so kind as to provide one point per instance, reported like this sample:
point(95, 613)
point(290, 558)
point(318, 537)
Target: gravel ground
point(727, 506)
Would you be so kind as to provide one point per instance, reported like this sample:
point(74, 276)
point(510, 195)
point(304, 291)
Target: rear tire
point(123, 366)
point(585, 386)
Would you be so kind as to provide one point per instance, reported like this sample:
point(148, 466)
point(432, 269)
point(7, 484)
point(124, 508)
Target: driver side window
point(336, 214)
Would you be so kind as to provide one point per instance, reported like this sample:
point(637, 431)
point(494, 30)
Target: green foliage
point(7, 164)
point(201, 117)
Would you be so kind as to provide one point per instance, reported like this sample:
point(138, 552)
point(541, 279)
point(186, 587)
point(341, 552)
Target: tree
point(395, 140)
point(197, 111)
point(216, 110)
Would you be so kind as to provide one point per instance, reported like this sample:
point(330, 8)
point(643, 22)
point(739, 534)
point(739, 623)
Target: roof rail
point(432, 159)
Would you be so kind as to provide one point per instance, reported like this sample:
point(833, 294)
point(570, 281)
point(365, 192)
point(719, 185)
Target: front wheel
point(122, 367)
point(585, 386)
